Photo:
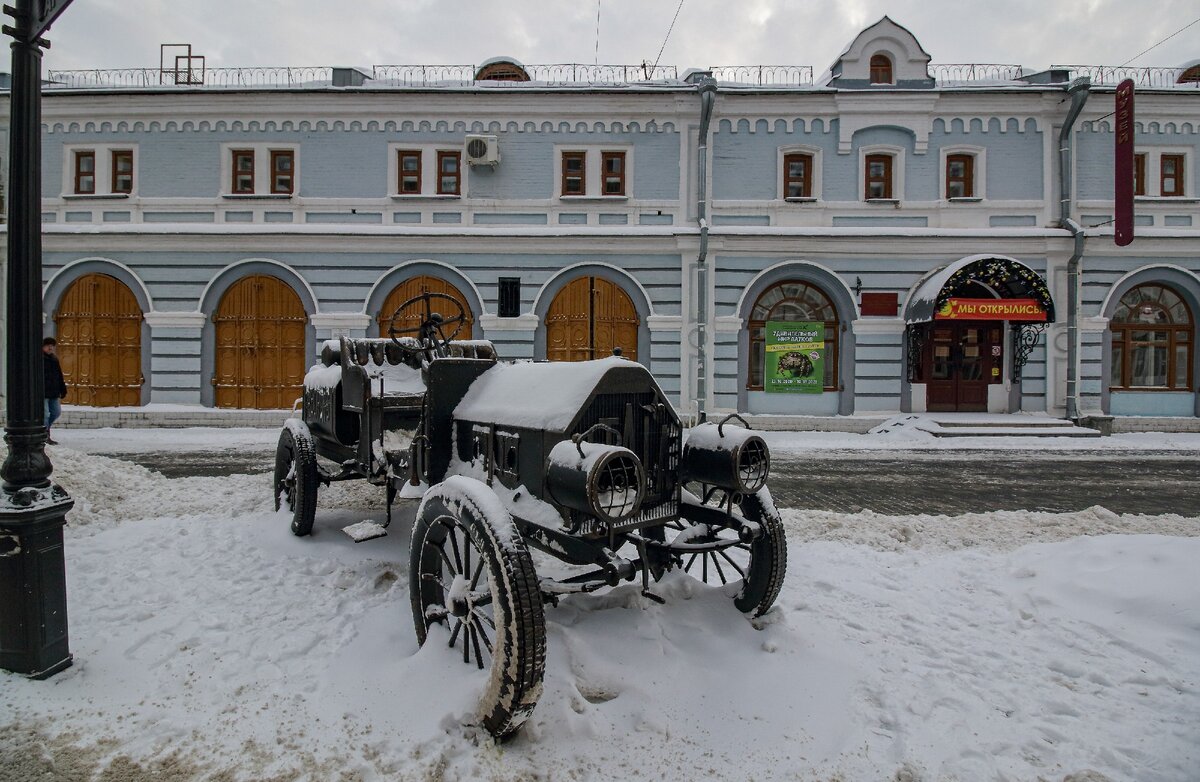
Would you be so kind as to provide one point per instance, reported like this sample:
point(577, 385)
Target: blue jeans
point(53, 411)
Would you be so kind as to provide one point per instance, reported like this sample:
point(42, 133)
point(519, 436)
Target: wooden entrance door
point(98, 326)
point(260, 325)
point(415, 286)
point(588, 318)
point(961, 360)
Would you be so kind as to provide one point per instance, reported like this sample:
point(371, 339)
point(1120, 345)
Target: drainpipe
point(707, 88)
point(1078, 92)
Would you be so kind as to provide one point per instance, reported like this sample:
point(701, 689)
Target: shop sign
point(45, 12)
point(1123, 165)
point(795, 360)
point(991, 309)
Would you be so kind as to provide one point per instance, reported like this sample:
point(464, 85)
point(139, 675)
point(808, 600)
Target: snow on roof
point(535, 395)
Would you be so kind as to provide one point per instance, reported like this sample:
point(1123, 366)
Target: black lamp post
point(33, 588)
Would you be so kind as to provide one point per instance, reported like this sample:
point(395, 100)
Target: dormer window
point(501, 69)
point(881, 69)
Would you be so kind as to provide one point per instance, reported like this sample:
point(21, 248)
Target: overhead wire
point(1160, 43)
point(664, 43)
point(596, 61)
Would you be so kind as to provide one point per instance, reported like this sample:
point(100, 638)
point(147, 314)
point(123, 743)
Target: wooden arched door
point(415, 286)
point(588, 318)
point(98, 326)
point(260, 326)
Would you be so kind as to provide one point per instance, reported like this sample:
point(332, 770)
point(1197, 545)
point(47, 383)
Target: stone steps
point(952, 425)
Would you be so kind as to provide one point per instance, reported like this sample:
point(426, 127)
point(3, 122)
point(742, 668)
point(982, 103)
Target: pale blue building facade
point(861, 199)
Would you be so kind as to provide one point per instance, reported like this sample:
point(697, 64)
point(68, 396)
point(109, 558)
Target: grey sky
point(126, 33)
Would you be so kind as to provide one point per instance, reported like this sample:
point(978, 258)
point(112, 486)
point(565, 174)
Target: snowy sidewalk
point(211, 643)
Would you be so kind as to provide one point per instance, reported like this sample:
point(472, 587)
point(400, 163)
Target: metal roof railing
point(765, 75)
point(1142, 77)
point(186, 77)
point(950, 74)
point(578, 74)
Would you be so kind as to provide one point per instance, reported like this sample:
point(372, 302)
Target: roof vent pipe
point(1078, 92)
point(707, 88)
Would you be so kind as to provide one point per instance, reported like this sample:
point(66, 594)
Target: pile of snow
point(997, 530)
point(210, 643)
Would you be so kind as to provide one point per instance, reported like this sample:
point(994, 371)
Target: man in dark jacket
point(56, 384)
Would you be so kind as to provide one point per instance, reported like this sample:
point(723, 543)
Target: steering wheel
point(432, 341)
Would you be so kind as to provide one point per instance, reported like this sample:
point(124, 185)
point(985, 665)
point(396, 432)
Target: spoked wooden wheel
point(756, 568)
point(465, 602)
point(470, 572)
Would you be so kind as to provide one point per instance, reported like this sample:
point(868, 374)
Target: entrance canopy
point(1007, 277)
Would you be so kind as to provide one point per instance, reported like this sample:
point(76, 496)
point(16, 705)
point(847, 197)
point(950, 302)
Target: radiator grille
point(648, 429)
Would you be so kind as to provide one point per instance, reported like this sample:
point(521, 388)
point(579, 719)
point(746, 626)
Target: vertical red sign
point(1123, 166)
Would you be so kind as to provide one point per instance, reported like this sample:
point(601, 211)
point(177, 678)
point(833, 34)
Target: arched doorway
point(415, 286)
point(260, 362)
point(967, 323)
point(98, 326)
point(588, 318)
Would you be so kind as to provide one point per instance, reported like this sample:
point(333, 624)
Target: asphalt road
point(952, 483)
point(900, 482)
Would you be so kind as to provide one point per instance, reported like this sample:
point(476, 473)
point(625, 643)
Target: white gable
point(910, 62)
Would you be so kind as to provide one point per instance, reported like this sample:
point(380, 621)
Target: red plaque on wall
point(882, 304)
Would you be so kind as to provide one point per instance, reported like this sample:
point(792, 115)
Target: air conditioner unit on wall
point(482, 150)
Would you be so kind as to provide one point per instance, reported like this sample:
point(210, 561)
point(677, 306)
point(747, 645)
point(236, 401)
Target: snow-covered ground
point(212, 644)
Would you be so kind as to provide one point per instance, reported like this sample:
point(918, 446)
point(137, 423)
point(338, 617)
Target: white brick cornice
point(664, 322)
point(526, 322)
point(728, 324)
point(878, 326)
point(340, 320)
point(175, 320)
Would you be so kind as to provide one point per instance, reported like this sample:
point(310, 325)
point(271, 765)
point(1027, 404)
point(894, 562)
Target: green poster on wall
point(795, 360)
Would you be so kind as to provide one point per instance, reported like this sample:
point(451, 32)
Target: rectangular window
point(510, 297)
point(283, 176)
point(797, 176)
point(449, 173)
point(243, 171)
point(1171, 175)
point(878, 176)
point(1139, 174)
point(613, 167)
point(960, 176)
point(573, 177)
point(122, 171)
point(85, 172)
point(408, 164)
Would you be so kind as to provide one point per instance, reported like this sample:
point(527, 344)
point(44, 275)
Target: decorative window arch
point(881, 69)
point(793, 300)
point(1153, 340)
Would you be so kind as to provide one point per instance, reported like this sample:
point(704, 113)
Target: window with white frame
point(593, 171)
point(882, 169)
point(426, 171)
point(259, 170)
point(962, 173)
point(100, 170)
point(1162, 173)
point(800, 173)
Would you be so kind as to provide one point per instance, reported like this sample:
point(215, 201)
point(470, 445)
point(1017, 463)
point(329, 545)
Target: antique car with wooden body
point(584, 462)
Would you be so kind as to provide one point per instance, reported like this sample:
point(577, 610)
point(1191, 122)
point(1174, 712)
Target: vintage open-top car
point(584, 462)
